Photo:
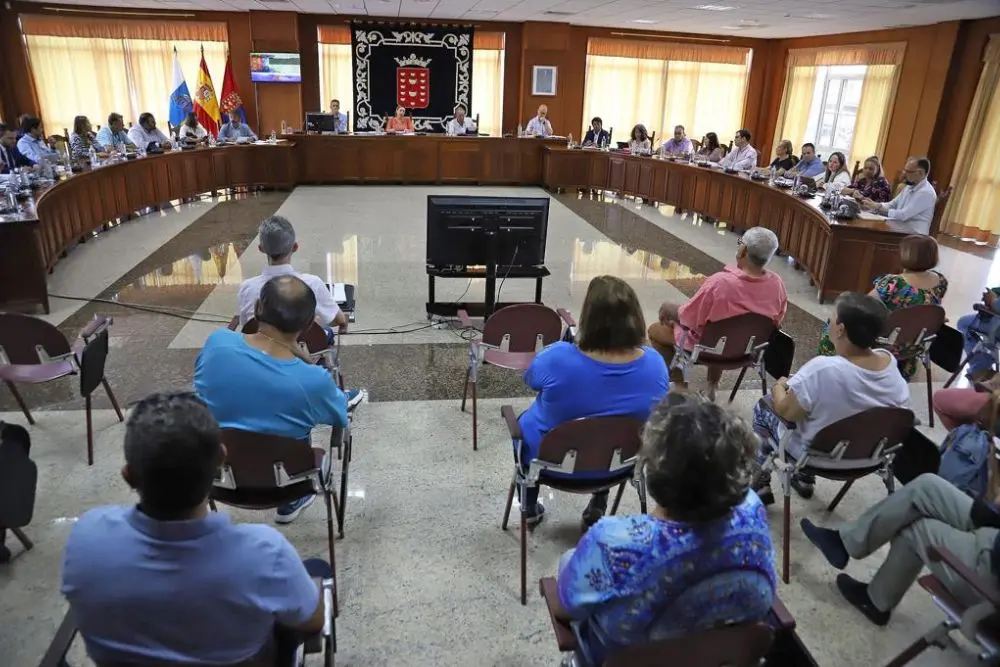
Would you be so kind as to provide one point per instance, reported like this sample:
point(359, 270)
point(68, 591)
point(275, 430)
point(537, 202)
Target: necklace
point(293, 350)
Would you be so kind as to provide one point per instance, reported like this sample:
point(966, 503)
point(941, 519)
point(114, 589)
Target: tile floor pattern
point(426, 574)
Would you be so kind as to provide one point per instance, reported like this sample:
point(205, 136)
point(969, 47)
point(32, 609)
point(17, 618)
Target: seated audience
point(606, 372)
point(784, 159)
point(702, 556)
point(679, 144)
point(10, 157)
point(914, 206)
point(835, 172)
point(341, 116)
point(639, 143)
point(264, 382)
point(83, 139)
point(400, 122)
point(871, 184)
point(539, 125)
point(743, 156)
point(917, 285)
point(191, 130)
point(460, 124)
point(596, 135)
point(929, 511)
point(32, 145)
point(710, 150)
point(113, 135)
point(236, 129)
point(830, 388)
point(957, 406)
point(746, 287)
point(145, 133)
point(169, 580)
point(810, 165)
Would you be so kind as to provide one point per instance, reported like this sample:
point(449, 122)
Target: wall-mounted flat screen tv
point(275, 68)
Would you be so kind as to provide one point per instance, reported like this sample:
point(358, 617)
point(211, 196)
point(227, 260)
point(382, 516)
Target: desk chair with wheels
point(608, 445)
point(909, 334)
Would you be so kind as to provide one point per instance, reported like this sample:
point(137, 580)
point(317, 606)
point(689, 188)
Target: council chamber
point(496, 334)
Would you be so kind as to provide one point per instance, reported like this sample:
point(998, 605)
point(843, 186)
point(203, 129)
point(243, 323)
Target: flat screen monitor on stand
point(485, 237)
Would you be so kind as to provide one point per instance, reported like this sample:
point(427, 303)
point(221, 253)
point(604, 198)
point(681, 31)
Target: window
point(834, 110)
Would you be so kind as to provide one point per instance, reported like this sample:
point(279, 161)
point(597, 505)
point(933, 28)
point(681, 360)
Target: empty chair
point(32, 351)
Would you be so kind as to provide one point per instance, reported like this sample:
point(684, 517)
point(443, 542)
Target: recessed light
point(643, 21)
point(732, 27)
point(714, 8)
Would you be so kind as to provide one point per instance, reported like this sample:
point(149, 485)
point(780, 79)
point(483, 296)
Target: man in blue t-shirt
point(264, 382)
point(169, 580)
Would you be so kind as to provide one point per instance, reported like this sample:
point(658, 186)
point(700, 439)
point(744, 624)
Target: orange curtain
point(334, 34)
point(890, 53)
point(649, 50)
point(109, 28)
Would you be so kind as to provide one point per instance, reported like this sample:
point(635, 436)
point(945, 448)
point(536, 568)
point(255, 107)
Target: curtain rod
point(671, 38)
point(414, 23)
point(68, 10)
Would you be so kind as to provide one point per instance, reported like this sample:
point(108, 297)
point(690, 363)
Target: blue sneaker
point(355, 397)
point(291, 511)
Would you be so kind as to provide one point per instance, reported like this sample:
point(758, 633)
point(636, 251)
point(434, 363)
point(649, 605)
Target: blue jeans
point(976, 322)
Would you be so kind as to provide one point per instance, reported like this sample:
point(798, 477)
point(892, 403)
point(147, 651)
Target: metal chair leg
point(20, 402)
point(90, 433)
point(465, 390)
point(114, 401)
point(510, 503)
point(930, 393)
point(618, 497)
point(524, 558)
point(840, 494)
point(739, 381)
point(211, 505)
point(475, 421)
point(954, 376)
point(327, 497)
point(342, 510)
point(19, 534)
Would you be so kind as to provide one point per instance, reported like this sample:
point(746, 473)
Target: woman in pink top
point(400, 122)
point(747, 287)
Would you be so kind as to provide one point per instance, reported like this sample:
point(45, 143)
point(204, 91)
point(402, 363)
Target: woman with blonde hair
point(871, 183)
point(785, 159)
point(609, 370)
point(83, 138)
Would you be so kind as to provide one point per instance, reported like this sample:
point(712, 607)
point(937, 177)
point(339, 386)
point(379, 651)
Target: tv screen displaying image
point(275, 68)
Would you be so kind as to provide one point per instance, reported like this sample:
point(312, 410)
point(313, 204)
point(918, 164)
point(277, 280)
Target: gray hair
point(761, 244)
point(277, 236)
point(698, 458)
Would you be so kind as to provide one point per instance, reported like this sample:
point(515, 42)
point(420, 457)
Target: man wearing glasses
point(915, 204)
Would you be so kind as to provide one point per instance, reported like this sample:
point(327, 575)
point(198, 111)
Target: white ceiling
point(750, 18)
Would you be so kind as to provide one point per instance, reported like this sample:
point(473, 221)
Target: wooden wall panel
point(276, 102)
point(240, 46)
point(549, 44)
point(309, 53)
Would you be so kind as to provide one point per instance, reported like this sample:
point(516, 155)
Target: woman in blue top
point(701, 558)
point(608, 371)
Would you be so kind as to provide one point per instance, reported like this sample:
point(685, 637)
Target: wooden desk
point(838, 255)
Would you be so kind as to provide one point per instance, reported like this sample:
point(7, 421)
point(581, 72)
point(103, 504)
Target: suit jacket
point(12, 154)
point(601, 138)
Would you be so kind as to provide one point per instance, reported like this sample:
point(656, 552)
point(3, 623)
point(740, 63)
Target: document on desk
point(865, 215)
point(339, 294)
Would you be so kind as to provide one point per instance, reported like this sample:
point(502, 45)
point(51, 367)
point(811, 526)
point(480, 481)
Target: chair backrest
point(92, 360)
point(738, 335)
point(593, 444)
point(21, 335)
point(314, 337)
point(18, 477)
point(856, 170)
point(652, 139)
point(522, 326)
point(939, 206)
point(865, 435)
point(913, 326)
point(697, 144)
point(257, 461)
point(733, 646)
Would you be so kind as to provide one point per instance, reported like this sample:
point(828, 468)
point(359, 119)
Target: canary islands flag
point(206, 104)
point(180, 97)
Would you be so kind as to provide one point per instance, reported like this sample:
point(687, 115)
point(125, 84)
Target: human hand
point(847, 191)
point(342, 328)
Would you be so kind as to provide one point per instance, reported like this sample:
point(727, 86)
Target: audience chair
point(510, 339)
point(324, 643)
point(18, 482)
point(263, 472)
point(978, 623)
point(856, 171)
point(32, 351)
point(845, 451)
point(652, 140)
point(939, 206)
point(909, 334)
point(982, 345)
point(735, 342)
point(589, 445)
point(611, 133)
point(740, 645)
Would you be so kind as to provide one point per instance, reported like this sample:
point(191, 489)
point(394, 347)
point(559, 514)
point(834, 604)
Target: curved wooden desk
point(838, 255)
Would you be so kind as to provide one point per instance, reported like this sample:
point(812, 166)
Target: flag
point(230, 102)
point(180, 97)
point(206, 104)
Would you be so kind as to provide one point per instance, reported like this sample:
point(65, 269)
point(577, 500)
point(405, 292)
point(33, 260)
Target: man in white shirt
point(235, 130)
point(145, 133)
point(32, 145)
point(913, 206)
point(539, 126)
point(743, 156)
point(113, 134)
point(460, 125)
point(341, 117)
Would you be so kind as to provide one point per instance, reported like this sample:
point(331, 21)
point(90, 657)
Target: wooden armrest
point(234, 324)
point(784, 617)
point(57, 650)
point(566, 317)
point(987, 589)
point(560, 619)
point(509, 416)
point(464, 319)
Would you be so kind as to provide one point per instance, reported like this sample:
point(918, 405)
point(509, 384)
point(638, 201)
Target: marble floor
point(427, 576)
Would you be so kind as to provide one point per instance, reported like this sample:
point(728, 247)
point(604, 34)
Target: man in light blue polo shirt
point(810, 165)
point(169, 580)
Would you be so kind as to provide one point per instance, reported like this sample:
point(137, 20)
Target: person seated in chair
point(929, 511)
point(746, 287)
point(701, 557)
point(828, 389)
point(607, 371)
point(264, 382)
point(169, 580)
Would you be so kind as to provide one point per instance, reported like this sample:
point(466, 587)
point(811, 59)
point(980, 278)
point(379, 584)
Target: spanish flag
point(206, 104)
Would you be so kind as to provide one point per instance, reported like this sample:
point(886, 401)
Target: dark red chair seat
point(37, 373)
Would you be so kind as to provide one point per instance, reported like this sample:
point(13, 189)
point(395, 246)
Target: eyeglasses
point(739, 242)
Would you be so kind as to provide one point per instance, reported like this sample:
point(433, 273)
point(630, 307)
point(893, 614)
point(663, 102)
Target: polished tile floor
point(428, 577)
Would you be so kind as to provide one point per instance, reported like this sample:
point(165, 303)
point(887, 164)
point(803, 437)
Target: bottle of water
point(274, 137)
point(569, 142)
point(520, 132)
point(92, 153)
point(211, 140)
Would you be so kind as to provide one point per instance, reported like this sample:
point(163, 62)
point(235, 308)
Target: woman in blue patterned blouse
point(701, 558)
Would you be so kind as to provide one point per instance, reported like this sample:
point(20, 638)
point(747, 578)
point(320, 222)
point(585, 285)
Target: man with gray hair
point(277, 242)
point(746, 287)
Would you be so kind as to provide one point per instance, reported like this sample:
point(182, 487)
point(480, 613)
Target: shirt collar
point(278, 270)
point(176, 531)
